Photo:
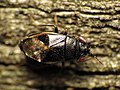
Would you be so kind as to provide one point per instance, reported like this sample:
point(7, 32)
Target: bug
point(50, 47)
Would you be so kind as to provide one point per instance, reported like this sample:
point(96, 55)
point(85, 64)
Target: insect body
point(53, 47)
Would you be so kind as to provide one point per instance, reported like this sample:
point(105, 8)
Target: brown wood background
point(97, 21)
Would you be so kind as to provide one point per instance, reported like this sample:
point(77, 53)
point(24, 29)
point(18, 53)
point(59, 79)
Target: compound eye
point(82, 39)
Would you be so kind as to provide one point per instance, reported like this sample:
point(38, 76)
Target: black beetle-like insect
point(53, 47)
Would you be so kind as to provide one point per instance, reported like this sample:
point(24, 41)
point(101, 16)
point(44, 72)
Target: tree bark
point(97, 21)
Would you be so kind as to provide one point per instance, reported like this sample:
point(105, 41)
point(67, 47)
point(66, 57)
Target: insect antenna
point(92, 55)
point(36, 23)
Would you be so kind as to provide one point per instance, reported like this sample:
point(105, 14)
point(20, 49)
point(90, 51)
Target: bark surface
point(97, 21)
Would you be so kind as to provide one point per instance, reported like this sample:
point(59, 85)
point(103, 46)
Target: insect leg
point(95, 58)
point(56, 30)
point(56, 24)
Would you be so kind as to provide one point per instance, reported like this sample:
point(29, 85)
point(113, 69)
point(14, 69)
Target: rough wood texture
point(98, 22)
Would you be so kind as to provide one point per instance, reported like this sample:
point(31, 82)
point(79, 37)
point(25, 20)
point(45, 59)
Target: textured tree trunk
point(97, 21)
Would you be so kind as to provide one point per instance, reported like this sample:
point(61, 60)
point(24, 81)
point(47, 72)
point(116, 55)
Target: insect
point(50, 47)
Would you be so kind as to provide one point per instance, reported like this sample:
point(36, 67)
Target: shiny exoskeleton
point(53, 47)
point(50, 47)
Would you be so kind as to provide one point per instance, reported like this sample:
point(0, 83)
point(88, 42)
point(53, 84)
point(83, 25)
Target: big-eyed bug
point(50, 47)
